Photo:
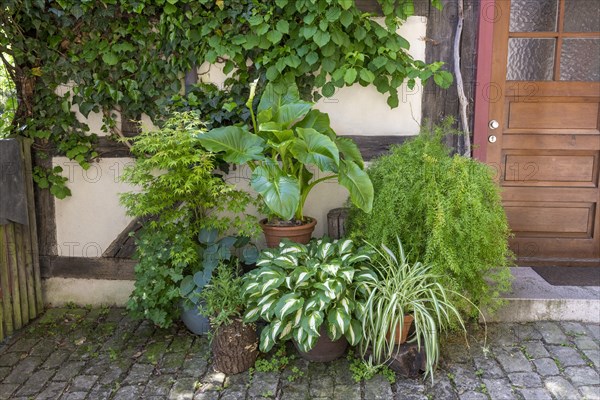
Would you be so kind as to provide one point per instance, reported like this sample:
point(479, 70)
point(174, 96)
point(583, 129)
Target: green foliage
point(222, 299)
point(179, 195)
point(129, 56)
point(447, 213)
point(213, 251)
point(297, 288)
point(8, 99)
point(365, 370)
point(403, 288)
point(288, 137)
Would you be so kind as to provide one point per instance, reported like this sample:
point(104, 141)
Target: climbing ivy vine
point(130, 57)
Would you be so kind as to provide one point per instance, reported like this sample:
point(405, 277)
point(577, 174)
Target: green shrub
point(447, 212)
point(180, 194)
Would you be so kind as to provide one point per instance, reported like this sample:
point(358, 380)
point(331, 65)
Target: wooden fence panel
point(20, 280)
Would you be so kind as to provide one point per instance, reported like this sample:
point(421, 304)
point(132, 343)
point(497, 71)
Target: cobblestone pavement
point(103, 354)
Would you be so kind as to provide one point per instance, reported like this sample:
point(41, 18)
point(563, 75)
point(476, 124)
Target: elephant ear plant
point(288, 136)
point(299, 287)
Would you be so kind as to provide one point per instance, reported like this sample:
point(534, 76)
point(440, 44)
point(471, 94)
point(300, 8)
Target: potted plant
point(177, 195)
point(402, 290)
point(308, 293)
point(213, 250)
point(234, 343)
point(288, 136)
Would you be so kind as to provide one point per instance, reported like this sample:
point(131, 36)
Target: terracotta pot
point(401, 334)
point(234, 347)
point(325, 349)
point(298, 233)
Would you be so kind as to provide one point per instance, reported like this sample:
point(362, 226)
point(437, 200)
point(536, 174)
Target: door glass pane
point(580, 60)
point(582, 16)
point(530, 59)
point(533, 15)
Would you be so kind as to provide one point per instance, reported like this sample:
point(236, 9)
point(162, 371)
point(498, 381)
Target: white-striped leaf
point(331, 269)
point(287, 304)
point(348, 274)
point(270, 284)
point(358, 258)
point(312, 322)
point(345, 246)
point(354, 332)
point(298, 317)
point(287, 330)
point(266, 343)
point(339, 318)
point(252, 314)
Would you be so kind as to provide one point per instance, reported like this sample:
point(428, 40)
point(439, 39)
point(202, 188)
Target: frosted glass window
point(533, 15)
point(582, 16)
point(530, 59)
point(580, 60)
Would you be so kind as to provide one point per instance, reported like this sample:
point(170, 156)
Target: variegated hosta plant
point(299, 287)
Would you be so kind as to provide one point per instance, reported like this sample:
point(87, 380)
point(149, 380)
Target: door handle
point(494, 124)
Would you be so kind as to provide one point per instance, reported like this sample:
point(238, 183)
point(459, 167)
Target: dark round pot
point(235, 347)
point(194, 321)
point(325, 349)
point(296, 233)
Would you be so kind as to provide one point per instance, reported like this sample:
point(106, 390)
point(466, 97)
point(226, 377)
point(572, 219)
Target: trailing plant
point(288, 137)
point(447, 212)
point(178, 196)
point(297, 288)
point(221, 299)
point(405, 288)
point(129, 56)
point(214, 251)
point(365, 370)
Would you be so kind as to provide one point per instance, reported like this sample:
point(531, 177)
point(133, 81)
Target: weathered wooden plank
point(5, 283)
point(124, 244)
point(87, 268)
point(32, 250)
point(15, 292)
point(44, 209)
point(374, 146)
point(21, 273)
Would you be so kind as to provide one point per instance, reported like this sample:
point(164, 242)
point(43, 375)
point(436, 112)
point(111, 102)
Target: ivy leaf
point(274, 36)
point(170, 8)
point(346, 4)
point(360, 33)
point(379, 61)
point(346, 18)
point(350, 76)
point(283, 26)
point(328, 89)
point(309, 31)
point(367, 75)
point(443, 79)
point(281, 3)
point(328, 65)
point(255, 20)
point(321, 38)
point(110, 58)
point(312, 58)
point(333, 14)
point(393, 101)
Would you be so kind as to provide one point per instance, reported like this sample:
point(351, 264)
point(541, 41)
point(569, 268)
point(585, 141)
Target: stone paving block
point(52, 391)
point(406, 387)
point(183, 388)
point(113, 374)
point(463, 377)
point(441, 389)
point(593, 356)
point(201, 396)
point(44, 348)
point(473, 396)
point(321, 386)
point(232, 394)
point(56, 359)
point(586, 343)
point(298, 391)
point(594, 329)
point(502, 335)
point(534, 350)
point(172, 362)
point(512, 360)
point(21, 372)
point(214, 380)
point(526, 332)
point(128, 393)
point(23, 345)
point(377, 388)
point(560, 388)
point(535, 394)
point(159, 385)
point(195, 366)
point(348, 392)
point(100, 392)
point(4, 371)
point(83, 383)
point(488, 367)
point(590, 392)
point(78, 396)
point(546, 367)
point(573, 329)
point(36, 381)
point(551, 332)
point(10, 359)
point(139, 373)
point(499, 389)
point(582, 376)
point(525, 379)
point(263, 382)
point(7, 389)
point(567, 356)
point(68, 371)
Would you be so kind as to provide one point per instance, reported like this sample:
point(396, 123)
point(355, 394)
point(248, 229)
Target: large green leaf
point(280, 192)
point(238, 144)
point(312, 147)
point(290, 113)
point(319, 121)
point(273, 100)
point(288, 304)
point(358, 183)
point(349, 150)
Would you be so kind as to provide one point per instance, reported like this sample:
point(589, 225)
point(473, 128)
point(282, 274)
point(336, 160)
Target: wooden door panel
point(552, 115)
point(547, 145)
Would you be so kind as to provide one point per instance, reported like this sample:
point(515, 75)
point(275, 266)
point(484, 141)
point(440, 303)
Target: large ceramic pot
point(295, 233)
point(325, 349)
point(234, 347)
point(194, 321)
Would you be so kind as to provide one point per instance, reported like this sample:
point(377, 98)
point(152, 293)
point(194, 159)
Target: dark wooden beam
point(87, 268)
point(374, 146)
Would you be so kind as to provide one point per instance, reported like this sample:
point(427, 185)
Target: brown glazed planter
point(234, 347)
point(402, 334)
point(325, 349)
point(299, 233)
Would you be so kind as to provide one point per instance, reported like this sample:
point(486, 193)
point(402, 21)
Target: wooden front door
point(543, 136)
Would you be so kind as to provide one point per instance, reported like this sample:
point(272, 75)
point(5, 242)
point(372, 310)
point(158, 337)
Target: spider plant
point(403, 288)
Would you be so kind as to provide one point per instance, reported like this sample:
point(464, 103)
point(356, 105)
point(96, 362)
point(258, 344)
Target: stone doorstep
point(534, 299)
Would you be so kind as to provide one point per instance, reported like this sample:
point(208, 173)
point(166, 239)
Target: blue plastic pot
point(194, 321)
